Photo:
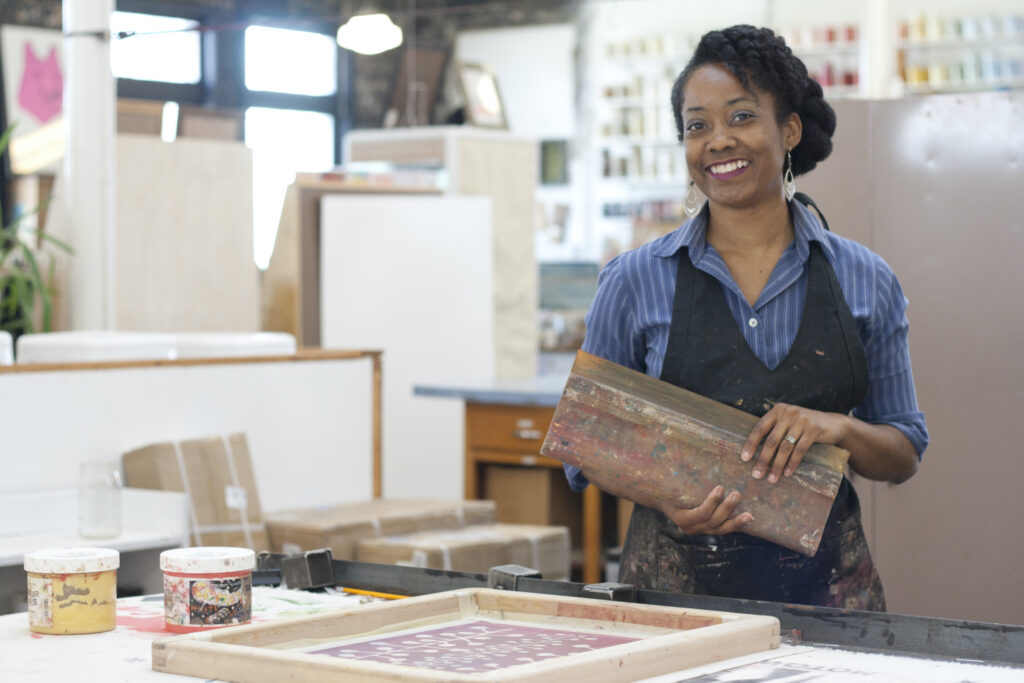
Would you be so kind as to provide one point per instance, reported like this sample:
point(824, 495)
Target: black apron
point(825, 370)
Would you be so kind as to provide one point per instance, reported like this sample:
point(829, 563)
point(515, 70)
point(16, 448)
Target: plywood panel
point(184, 236)
point(506, 172)
point(413, 277)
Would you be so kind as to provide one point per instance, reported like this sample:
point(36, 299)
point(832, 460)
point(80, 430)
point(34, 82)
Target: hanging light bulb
point(369, 34)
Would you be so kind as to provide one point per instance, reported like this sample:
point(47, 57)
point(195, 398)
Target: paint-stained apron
point(825, 370)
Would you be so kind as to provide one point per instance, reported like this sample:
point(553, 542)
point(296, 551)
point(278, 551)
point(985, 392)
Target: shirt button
point(752, 322)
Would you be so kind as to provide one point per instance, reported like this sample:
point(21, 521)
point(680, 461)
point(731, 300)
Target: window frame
point(222, 59)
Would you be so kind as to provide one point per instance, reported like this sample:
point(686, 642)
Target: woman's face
point(735, 147)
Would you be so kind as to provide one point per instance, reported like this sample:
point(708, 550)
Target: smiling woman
point(754, 303)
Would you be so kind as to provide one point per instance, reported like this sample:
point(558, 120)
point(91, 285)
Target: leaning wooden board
point(471, 635)
point(676, 445)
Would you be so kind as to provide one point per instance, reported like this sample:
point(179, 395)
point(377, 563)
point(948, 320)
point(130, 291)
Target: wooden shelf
point(950, 88)
point(951, 44)
point(827, 50)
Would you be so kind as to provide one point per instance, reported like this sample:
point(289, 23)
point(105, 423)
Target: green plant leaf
point(39, 285)
point(46, 237)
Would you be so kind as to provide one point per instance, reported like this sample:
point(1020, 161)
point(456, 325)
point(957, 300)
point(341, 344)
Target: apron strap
point(807, 201)
point(675, 352)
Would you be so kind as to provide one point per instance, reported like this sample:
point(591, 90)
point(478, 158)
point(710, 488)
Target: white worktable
point(124, 654)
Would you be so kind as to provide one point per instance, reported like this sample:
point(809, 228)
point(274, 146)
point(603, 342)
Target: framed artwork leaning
point(483, 100)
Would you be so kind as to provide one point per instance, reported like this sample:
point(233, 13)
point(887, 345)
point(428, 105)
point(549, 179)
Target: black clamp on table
point(507, 576)
point(610, 590)
point(309, 570)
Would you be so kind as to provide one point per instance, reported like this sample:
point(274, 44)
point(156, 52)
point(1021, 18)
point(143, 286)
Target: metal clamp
point(621, 592)
point(311, 569)
point(506, 577)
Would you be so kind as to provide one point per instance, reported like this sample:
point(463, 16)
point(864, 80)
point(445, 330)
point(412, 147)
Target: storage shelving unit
point(638, 175)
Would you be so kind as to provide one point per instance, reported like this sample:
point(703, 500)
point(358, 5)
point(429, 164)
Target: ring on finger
point(791, 439)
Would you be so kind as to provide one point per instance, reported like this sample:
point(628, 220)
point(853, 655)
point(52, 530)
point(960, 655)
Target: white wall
point(414, 277)
point(535, 67)
point(536, 71)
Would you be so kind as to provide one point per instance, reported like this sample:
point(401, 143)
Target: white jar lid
point(209, 560)
point(72, 560)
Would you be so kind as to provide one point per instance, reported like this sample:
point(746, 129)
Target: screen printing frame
point(667, 639)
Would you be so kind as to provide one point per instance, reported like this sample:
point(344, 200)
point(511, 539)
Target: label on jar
point(207, 601)
point(40, 601)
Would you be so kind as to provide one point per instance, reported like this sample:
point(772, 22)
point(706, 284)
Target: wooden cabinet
point(503, 436)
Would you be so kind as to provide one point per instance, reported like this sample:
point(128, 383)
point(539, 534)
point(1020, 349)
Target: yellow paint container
point(72, 590)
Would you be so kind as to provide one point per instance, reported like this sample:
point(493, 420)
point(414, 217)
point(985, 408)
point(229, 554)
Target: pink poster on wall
point(33, 73)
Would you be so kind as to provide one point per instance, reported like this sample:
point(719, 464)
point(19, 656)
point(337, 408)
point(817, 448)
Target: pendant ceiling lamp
point(369, 34)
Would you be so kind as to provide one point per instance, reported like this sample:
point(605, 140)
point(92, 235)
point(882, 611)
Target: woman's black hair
point(759, 58)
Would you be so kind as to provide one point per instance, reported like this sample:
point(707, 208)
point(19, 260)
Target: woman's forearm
point(879, 452)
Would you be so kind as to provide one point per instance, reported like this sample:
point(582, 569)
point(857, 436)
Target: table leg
point(592, 566)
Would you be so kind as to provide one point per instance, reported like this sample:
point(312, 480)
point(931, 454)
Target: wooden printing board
point(670, 443)
point(471, 635)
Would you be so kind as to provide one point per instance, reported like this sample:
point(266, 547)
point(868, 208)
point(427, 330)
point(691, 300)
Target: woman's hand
point(785, 433)
point(716, 516)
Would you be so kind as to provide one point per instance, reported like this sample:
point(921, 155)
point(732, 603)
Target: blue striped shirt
point(628, 321)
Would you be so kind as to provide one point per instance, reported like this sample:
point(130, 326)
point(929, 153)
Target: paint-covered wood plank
point(675, 445)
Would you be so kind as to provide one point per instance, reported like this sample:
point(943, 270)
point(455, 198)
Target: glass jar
point(99, 500)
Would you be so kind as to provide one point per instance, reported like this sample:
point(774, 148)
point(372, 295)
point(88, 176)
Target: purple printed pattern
point(474, 647)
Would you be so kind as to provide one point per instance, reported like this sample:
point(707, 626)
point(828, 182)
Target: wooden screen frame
point(686, 638)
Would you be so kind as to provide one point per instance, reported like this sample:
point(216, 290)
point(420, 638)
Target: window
point(283, 142)
point(163, 48)
point(285, 80)
point(288, 61)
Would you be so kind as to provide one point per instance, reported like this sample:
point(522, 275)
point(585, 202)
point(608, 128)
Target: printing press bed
point(817, 643)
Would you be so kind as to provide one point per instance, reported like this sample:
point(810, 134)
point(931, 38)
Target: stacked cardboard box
point(475, 549)
point(534, 495)
point(217, 476)
point(549, 548)
point(340, 527)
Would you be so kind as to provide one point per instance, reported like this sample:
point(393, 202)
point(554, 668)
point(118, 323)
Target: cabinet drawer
point(511, 428)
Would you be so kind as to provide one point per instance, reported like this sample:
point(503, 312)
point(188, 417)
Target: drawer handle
point(527, 434)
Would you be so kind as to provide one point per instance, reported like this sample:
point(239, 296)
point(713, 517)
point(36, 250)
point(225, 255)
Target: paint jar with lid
point(207, 588)
point(72, 590)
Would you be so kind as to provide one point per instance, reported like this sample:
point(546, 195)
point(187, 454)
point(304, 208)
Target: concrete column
point(878, 60)
point(89, 166)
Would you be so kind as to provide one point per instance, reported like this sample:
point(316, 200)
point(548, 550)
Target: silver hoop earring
point(692, 203)
point(788, 181)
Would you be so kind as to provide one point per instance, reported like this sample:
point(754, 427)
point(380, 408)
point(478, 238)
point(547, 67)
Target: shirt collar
point(693, 234)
